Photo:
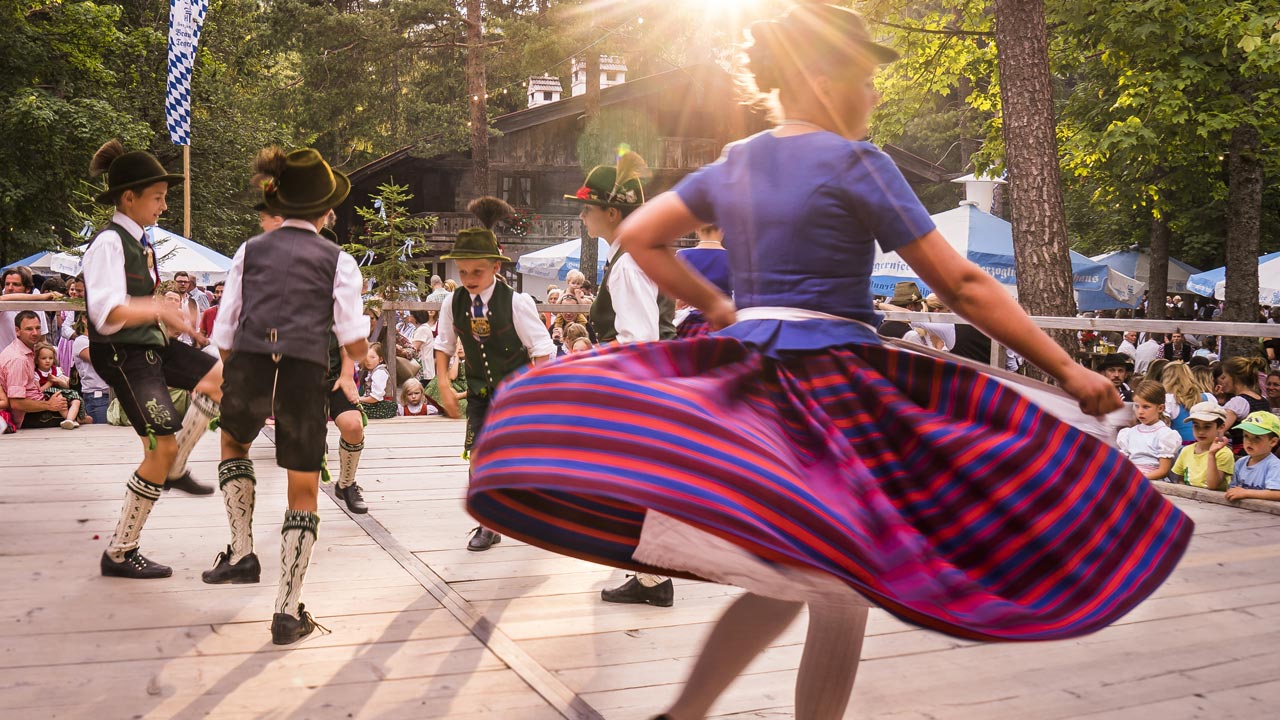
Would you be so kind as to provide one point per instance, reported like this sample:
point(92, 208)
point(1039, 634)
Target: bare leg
point(745, 629)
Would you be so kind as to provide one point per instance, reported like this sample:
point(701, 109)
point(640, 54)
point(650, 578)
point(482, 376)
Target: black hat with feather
point(127, 171)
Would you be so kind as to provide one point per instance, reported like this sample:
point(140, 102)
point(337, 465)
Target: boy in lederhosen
point(287, 291)
point(627, 309)
point(500, 329)
point(130, 349)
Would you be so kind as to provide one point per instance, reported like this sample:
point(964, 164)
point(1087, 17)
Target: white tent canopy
point(173, 252)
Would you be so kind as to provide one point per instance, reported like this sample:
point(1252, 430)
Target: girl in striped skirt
point(795, 454)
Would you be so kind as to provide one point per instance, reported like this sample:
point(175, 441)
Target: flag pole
point(186, 191)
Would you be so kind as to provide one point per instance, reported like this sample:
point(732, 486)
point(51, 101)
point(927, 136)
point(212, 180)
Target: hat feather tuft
point(630, 167)
point(269, 165)
point(490, 210)
point(106, 155)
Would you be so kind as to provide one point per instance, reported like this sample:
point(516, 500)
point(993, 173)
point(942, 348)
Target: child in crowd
point(1151, 445)
point(53, 381)
point(377, 397)
point(413, 402)
point(1257, 475)
point(1211, 448)
point(456, 379)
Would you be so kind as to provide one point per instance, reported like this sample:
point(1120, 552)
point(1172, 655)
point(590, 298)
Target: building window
point(546, 95)
point(517, 190)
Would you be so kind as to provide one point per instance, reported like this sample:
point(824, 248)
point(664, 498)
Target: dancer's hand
point(1096, 394)
point(174, 319)
point(347, 385)
point(722, 314)
point(449, 400)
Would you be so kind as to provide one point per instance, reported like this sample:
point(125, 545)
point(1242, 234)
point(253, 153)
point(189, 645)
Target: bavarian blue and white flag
point(186, 17)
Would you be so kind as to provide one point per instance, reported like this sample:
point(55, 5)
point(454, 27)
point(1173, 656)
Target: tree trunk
point(1158, 270)
point(477, 89)
point(1244, 234)
point(1031, 155)
point(589, 255)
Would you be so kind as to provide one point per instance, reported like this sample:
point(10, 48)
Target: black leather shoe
point(633, 592)
point(134, 566)
point(188, 484)
point(287, 629)
point(353, 497)
point(246, 571)
point(483, 539)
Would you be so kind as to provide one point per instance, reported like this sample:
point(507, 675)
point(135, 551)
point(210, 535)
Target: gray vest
point(287, 295)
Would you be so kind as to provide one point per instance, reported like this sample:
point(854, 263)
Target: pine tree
point(389, 242)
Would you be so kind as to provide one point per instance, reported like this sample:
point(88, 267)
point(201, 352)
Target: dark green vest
point(499, 356)
point(334, 363)
point(604, 317)
point(138, 282)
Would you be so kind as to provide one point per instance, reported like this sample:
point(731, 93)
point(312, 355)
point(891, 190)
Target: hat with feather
point(480, 243)
point(298, 184)
point(127, 171)
point(617, 186)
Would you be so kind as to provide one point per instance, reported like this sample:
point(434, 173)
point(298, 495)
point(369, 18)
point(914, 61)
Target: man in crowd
point(906, 296)
point(190, 293)
point(1117, 367)
point(1129, 346)
point(1176, 349)
point(438, 293)
point(1147, 352)
point(19, 285)
point(211, 315)
point(18, 375)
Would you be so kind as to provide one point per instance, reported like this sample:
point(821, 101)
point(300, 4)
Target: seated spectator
point(210, 316)
point(1117, 367)
point(413, 402)
point(1155, 370)
point(457, 380)
point(53, 382)
point(423, 339)
point(577, 282)
point(19, 285)
point(568, 318)
point(65, 321)
point(575, 334)
point(1181, 394)
point(1211, 447)
point(1257, 474)
point(1176, 349)
point(1129, 344)
point(1147, 352)
point(1273, 390)
point(27, 403)
point(553, 298)
point(438, 292)
point(450, 285)
point(94, 391)
point(1239, 381)
point(1150, 444)
point(378, 399)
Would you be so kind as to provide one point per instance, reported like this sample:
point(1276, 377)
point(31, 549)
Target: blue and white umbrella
point(556, 261)
point(1212, 283)
point(1137, 265)
point(987, 241)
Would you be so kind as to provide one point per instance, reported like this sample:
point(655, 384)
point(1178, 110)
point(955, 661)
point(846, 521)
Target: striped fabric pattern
point(941, 495)
point(693, 325)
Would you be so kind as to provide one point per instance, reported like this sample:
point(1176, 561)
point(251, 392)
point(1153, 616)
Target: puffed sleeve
point(1168, 443)
point(1122, 441)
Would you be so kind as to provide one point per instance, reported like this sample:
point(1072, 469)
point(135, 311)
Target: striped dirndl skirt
point(930, 488)
point(693, 325)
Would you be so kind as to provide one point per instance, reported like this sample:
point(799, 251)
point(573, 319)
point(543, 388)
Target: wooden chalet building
point(678, 121)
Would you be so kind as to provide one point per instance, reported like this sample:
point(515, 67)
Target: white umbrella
point(1213, 283)
point(173, 253)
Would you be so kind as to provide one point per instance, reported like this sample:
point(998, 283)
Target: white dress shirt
point(349, 321)
point(103, 268)
point(524, 313)
point(635, 299)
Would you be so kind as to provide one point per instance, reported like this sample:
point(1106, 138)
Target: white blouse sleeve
point(1168, 443)
point(1122, 441)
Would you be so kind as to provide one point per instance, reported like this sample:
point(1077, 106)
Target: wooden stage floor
point(423, 629)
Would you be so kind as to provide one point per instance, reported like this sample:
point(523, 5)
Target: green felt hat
point(305, 186)
point(480, 243)
point(615, 186)
point(128, 171)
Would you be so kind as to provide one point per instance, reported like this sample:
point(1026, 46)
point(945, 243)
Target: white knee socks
point(348, 462)
point(194, 425)
point(239, 491)
point(297, 537)
point(139, 498)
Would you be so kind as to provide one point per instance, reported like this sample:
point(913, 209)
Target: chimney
point(544, 90)
point(979, 191)
point(613, 71)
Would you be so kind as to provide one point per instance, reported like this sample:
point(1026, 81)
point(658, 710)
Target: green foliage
point(385, 247)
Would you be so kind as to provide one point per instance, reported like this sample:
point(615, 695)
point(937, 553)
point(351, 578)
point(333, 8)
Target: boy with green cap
point(273, 332)
point(500, 329)
point(130, 349)
point(627, 309)
point(1257, 474)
